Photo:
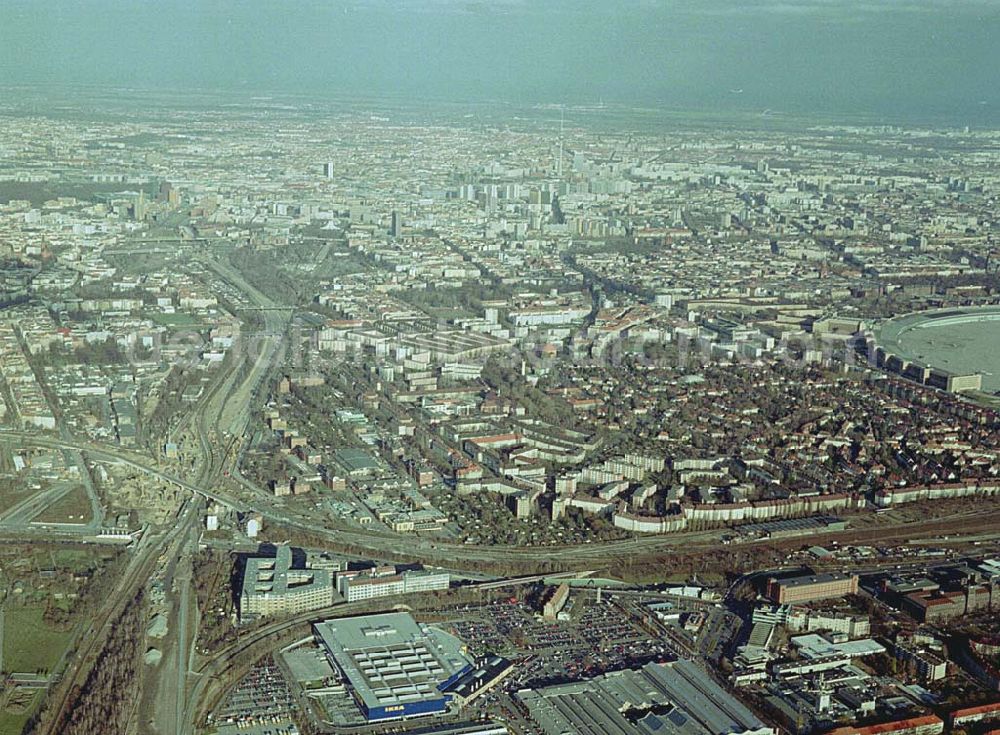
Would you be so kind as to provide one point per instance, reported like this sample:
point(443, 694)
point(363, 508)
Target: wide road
point(389, 544)
point(21, 514)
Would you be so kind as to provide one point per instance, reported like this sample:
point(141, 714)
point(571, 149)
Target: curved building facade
point(955, 350)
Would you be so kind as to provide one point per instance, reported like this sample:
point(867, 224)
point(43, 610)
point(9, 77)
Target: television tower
point(559, 164)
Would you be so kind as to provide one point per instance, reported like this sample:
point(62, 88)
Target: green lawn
point(174, 320)
point(29, 644)
point(11, 724)
point(74, 558)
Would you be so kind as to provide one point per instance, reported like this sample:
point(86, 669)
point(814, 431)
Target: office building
point(274, 586)
point(927, 725)
point(386, 581)
point(936, 606)
point(927, 665)
point(810, 587)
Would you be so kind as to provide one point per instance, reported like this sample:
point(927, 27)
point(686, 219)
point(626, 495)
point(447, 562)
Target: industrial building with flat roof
point(355, 462)
point(273, 586)
point(395, 667)
point(811, 587)
point(474, 682)
point(483, 727)
point(677, 698)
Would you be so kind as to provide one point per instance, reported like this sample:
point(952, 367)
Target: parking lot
point(598, 635)
point(261, 704)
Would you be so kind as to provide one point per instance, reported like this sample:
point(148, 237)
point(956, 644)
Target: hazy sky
point(898, 59)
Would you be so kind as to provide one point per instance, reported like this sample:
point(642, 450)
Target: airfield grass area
point(73, 507)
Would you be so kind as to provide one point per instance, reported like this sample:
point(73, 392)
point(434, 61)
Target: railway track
point(137, 574)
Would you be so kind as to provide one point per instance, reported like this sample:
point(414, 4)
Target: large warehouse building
point(394, 666)
point(658, 698)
